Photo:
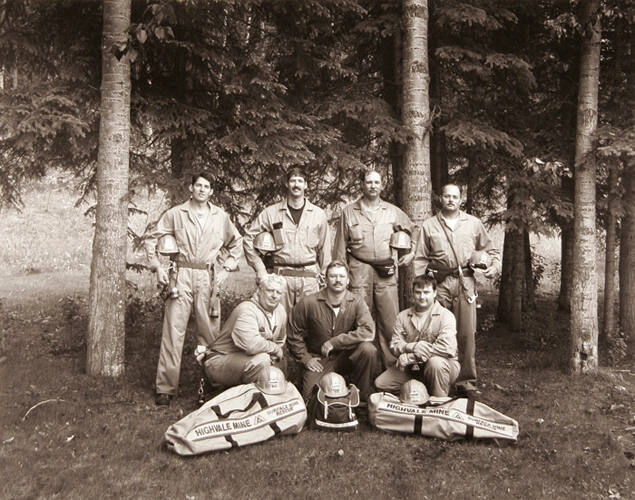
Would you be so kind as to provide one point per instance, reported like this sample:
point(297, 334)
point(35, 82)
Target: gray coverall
point(368, 237)
point(199, 250)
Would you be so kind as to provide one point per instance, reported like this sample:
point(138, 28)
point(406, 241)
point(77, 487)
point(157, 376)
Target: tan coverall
point(306, 248)
point(245, 344)
point(367, 236)
point(200, 247)
point(468, 235)
point(441, 367)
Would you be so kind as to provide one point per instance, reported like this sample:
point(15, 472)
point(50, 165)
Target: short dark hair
point(424, 280)
point(451, 184)
point(336, 263)
point(295, 172)
point(203, 175)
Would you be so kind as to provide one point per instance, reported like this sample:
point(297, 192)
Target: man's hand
point(314, 365)
point(327, 347)
point(403, 361)
point(491, 272)
point(162, 276)
point(277, 353)
point(260, 277)
point(221, 276)
point(405, 260)
point(423, 351)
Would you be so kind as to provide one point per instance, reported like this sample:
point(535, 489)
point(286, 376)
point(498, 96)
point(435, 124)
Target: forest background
point(249, 88)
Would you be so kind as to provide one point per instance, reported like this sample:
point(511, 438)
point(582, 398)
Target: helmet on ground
point(480, 260)
point(264, 242)
point(414, 392)
point(333, 385)
point(400, 240)
point(167, 245)
point(271, 380)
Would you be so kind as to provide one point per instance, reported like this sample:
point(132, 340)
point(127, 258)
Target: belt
point(302, 264)
point(297, 273)
point(190, 265)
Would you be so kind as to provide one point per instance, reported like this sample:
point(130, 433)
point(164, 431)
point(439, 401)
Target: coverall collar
point(323, 297)
point(358, 204)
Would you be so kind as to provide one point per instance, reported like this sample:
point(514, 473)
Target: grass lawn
point(99, 438)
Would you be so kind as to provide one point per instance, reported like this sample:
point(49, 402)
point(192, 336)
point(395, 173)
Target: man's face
point(450, 199)
point(201, 190)
point(296, 186)
point(424, 297)
point(269, 295)
point(337, 279)
point(372, 185)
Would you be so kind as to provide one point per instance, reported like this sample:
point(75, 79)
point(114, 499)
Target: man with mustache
point(301, 234)
point(363, 239)
point(332, 330)
point(448, 239)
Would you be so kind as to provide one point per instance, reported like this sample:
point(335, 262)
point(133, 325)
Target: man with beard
point(448, 240)
point(205, 236)
point(301, 234)
point(363, 239)
point(332, 330)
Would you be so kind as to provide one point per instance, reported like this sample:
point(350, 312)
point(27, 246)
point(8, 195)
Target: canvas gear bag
point(334, 413)
point(445, 418)
point(239, 416)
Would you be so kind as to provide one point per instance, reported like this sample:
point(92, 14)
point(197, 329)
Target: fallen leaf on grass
point(70, 438)
point(10, 440)
point(616, 407)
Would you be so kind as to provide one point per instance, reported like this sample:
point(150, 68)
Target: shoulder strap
point(447, 236)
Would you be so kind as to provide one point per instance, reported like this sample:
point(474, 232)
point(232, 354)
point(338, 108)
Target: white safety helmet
point(271, 380)
point(264, 242)
point(480, 260)
point(167, 246)
point(333, 385)
point(414, 392)
point(400, 240)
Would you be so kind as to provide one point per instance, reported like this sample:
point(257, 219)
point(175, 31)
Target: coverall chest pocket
point(311, 236)
point(181, 238)
point(355, 235)
point(439, 245)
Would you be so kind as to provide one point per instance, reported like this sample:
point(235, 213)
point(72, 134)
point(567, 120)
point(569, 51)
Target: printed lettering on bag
point(266, 416)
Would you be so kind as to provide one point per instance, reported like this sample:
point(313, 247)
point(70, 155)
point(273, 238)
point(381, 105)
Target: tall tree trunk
point(416, 188)
point(505, 289)
point(584, 300)
point(608, 331)
point(438, 147)
point(529, 298)
point(627, 260)
point(566, 265)
point(107, 296)
point(469, 191)
point(518, 281)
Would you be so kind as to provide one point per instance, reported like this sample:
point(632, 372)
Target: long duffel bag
point(445, 418)
point(239, 416)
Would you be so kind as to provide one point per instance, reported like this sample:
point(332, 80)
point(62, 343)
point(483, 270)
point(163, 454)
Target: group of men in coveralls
point(319, 299)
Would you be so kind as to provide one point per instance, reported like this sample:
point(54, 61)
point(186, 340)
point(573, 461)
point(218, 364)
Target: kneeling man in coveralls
point(333, 330)
point(251, 339)
point(424, 342)
point(205, 236)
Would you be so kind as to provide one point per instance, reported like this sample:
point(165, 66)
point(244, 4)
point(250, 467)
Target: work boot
point(163, 399)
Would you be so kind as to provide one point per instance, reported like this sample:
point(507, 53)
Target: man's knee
point(437, 364)
point(366, 351)
point(257, 362)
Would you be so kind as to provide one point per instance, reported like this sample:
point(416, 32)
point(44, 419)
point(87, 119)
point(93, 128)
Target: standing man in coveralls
point(448, 239)
point(301, 234)
point(363, 240)
point(201, 231)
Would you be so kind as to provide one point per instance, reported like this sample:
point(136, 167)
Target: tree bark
point(107, 296)
point(627, 260)
point(529, 297)
point(517, 282)
point(610, 263)
point(416, 188)
point(584, 300)
point(505, 289)
point(566, 265)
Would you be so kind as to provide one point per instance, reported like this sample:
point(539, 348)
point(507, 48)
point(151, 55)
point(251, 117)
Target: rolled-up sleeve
point(233, 243)
point(445, 344)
